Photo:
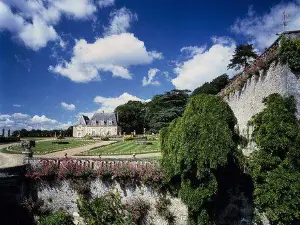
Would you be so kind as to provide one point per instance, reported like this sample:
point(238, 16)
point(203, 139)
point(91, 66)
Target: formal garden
point(49, 146)
point(125, 148)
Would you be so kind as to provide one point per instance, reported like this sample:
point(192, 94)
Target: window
point(109, 122)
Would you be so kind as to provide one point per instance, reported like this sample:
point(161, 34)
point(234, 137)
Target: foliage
point(89, 137)
point(82, 187)
point(43, 133)
point(164, 108)
point(33, 206)
point(150, 138)
point(148, 174)
point(213, 87)
point(131, 116)
point(289, 52)
point(162, 207)
point(275, 166)
point(242, 56)
point(138, 210)
point(200, 152)
point(9, 139)
point(128, 138)
point(59, 217)
point(104, 210)
point(104, 138)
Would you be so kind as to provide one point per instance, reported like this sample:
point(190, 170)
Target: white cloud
point(33, 21)
point(192, 50)
point(261, 29)
point(119, 21)
point(37, 34)
point(79, 9)
point(16, 105)
point(115, 54)
point(67, 106)
point(151, 78)
point(18, 121)
point(156, 55)
point(109, 104)
point(205, 66)
point(105, 3)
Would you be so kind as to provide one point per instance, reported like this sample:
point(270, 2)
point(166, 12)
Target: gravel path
point(10, 160)
point(74, 151)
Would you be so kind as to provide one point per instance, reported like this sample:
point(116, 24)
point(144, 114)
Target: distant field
point(124, 148)
point(45, 147)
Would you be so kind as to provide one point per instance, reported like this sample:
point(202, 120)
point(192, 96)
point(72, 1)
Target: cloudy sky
point(61, 58)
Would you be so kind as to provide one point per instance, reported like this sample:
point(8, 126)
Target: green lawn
point(124, 148)
point(45, 147)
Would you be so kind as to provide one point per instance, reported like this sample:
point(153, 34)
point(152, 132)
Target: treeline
point(43, 133)
point(163, 108)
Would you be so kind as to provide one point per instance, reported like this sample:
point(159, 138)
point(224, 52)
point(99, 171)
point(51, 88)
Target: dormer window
point(109, 122)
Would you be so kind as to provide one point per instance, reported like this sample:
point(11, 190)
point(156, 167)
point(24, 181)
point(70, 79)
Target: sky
point(63, 58)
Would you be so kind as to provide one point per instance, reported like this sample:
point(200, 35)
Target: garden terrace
point(124, 148)
point(45, 147)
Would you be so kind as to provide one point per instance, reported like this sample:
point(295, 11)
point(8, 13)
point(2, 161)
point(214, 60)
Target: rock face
point(63, 196)
point(248, 101)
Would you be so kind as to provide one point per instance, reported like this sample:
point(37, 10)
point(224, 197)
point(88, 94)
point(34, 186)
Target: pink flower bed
point(68, 169)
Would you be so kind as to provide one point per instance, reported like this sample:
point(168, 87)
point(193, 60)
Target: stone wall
point(248, 101)
point(62, 195)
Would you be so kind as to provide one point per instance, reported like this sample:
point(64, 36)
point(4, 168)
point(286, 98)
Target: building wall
point(248, 102)
point(83, 130)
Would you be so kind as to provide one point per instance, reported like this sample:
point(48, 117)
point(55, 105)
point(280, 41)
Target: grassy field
point(45, 147)
point(124, 148)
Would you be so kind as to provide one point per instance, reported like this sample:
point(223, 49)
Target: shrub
point(150, 138)
point(162, 207)
point(128, 138)
point(59, 217)
point(138, 210)
point(289, 52)
point(104, 138)
point(275, 166)
point(82, 187)
point(104, 210)
point(60, 137)
point(89, 137)
point(199, 154)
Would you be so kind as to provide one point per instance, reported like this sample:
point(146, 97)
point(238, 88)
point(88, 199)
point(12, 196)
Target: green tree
point(200, 157)
point(162, 109)
point(131, 116)
point(213, 87)
point(59, 217)
point(276, 166)
point(242, 56)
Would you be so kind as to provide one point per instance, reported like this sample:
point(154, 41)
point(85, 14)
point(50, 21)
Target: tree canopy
point(131, 116)
point(213, 87)
point(162, 109)
point(200, 155)
point(276, 165)
point(242, 56)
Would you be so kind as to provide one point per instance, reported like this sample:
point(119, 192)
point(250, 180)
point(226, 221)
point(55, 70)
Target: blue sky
point(61, 58)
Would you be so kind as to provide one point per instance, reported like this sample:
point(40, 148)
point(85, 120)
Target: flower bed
point(148, 174)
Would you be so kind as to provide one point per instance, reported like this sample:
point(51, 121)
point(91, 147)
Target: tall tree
point(213, 87)
point(276, 165)
point(200, 156)
point(131, 116)
point(162, 109)
point(242, 56)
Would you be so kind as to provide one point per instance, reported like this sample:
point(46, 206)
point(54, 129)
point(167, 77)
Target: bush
point(59, 217)
point(150, 138)
point(89, 137)
point(128, 138)
point(289, 52)
point(275, 166)
point(138, 210)
point(200, 155)
point(162, 208)
point(104, 138)
point(104, 210)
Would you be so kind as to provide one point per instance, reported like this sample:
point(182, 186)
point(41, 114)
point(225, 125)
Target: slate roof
point(97, 118)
